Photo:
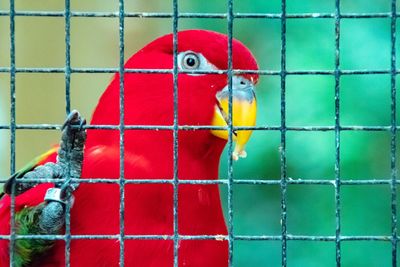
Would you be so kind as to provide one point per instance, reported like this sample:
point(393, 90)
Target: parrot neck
point(199, 160)
point(198, 155)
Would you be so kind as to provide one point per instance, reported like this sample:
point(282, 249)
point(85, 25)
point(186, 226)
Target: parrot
point(202, 100)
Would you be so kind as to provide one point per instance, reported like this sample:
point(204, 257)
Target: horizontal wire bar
point(170, 71)
point(205, 237)
point(204, 127)
point(312, 238)
point(84, 14)
point(297, 181)
point(314, 15)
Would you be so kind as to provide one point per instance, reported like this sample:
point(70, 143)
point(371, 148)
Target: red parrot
point(202, 100)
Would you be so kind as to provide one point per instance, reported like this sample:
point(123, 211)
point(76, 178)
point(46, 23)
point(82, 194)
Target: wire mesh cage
point(320, 185)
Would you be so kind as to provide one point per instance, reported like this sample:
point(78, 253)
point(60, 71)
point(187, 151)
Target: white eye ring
point(190, 61)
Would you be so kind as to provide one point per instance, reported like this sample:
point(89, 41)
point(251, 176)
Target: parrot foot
point(70, 157)
point(69, 161)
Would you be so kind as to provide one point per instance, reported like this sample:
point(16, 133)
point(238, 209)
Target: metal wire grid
point(230, 16)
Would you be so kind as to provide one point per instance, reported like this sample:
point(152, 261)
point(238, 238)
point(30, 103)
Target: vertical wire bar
point(67, 74)
point(283, 136)
point(175, 131)
point(230, 135)
point(337, 133)
point(121, 16)
point(393, 146)
point(12, 128)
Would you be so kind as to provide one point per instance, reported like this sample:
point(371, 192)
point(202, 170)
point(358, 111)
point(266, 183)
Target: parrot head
point(203, 98)
point(211, 91)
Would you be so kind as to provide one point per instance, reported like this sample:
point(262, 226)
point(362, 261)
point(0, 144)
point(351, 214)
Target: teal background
point(364, 101)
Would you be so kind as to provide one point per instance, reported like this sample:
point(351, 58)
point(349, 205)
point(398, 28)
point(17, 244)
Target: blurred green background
point(364, 101)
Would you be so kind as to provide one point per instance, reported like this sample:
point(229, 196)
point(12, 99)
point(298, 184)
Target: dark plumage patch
point(27, 250)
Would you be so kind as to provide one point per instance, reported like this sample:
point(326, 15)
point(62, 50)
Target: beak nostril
point(242, 82)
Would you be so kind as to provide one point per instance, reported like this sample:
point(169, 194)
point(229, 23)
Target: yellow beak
point(244, 109)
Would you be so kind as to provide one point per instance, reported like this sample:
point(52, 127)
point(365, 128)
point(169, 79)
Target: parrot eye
point(190, 61)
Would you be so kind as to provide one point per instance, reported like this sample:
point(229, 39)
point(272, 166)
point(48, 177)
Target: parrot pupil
point(191, 62)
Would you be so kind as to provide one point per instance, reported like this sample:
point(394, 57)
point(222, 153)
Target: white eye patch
point(190, 60)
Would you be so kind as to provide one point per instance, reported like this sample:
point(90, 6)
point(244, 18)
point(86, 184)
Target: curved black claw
point(73, 118)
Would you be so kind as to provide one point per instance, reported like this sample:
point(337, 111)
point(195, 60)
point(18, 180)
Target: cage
point(319, 187)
